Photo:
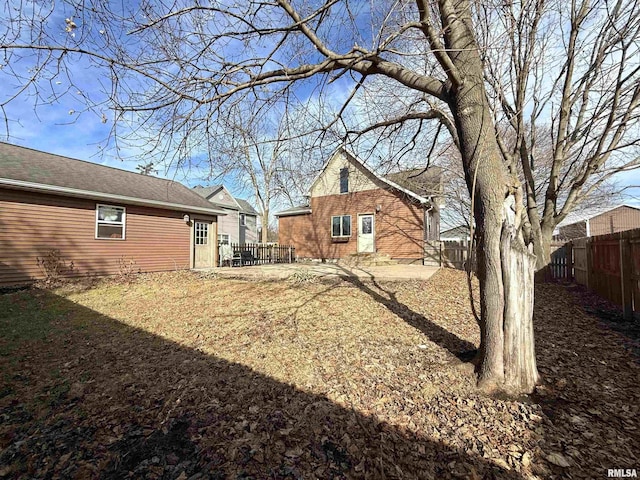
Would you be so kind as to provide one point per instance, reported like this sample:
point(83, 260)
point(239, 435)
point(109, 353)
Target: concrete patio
point(283, 271)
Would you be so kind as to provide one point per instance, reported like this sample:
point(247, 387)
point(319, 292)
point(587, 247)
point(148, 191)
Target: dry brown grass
point(175, 374)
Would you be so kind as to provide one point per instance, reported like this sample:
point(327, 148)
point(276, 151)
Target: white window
point(223, 239)
point(202, 233)
point(341, 226)
point(110, 222)
point(243, 220)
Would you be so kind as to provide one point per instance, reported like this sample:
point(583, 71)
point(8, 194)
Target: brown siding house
point(598, 221)
point(100, 218)
point(353, 211)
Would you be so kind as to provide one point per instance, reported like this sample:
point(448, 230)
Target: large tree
point(251, 149)
point(171, 67)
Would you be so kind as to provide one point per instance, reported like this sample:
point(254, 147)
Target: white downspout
point(426, 216)
point(426, 224)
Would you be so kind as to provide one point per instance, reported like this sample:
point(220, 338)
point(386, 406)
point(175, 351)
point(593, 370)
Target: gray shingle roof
point(420, 181)
point(294, 211)
point(27, 166)
point(206, 191)
point(459, 231)
point(246, 207)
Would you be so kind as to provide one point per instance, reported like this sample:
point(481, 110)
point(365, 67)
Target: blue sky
point(84, 136)
point(60, 128)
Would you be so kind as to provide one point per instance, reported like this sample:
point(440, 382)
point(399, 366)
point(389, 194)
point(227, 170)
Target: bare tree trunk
point(518, 268)
point(491, 366)
point(265, 226)
point(505, 266)
point(506, 270)
point(542, 247)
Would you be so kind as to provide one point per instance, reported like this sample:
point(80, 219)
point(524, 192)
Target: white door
point(203, 245)
point(365, 234)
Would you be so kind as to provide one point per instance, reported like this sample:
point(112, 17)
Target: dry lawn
point(182, 376)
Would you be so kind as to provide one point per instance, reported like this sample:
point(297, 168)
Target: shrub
point(54, 267)
point(128, 269)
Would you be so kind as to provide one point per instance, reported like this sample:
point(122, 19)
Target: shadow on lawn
point(589, 389)
point(97, 398)
point(464, 350)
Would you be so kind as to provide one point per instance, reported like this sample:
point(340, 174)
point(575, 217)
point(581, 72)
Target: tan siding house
point(619, 219)
point(96, 217)
point(353, 211)
point(598, 221)
point(240, 224)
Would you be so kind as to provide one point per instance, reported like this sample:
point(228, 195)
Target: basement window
point(341, 226)
point(110, 222)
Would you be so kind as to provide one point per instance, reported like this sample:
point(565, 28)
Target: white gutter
point(74, 192)
point(290, 213)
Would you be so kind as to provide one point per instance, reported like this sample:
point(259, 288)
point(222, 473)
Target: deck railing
point(256, 254)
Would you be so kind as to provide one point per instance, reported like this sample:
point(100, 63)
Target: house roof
point(27, 169)
point(425, 182)
point(242, 205)
point(415, 182)
point(589, 213)
point(246, 207)
point(461, 231)
point(207, 191)
point(302, 210)
point(211, 191)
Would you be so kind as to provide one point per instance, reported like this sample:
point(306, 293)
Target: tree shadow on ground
point(463, 350)
point(610, 315)
point(589, 389)
point(95, 398)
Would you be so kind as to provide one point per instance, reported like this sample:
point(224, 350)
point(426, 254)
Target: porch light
point(186, 218)
point(378, 208)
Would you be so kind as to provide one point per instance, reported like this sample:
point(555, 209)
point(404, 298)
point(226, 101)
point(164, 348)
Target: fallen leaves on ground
point(180, 376)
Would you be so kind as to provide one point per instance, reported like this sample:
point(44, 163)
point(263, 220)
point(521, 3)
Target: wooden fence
point(558, 268)
point(256, 254)
point(607, 264)
point(446, 253)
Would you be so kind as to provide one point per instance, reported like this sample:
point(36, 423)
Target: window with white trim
point(110, 222)
point(223, 239)
point(341, 226)
point(243, 220)
point(202, 233)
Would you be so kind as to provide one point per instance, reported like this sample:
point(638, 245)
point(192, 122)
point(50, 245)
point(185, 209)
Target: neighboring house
point(97, 217)
point(353, 210)
point(240, 225)
point(598, 221)
point(250, 223)
point(455, 234)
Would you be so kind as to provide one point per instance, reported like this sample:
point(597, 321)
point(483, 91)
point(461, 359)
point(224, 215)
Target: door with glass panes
point(366, 234)
point(203, 246)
